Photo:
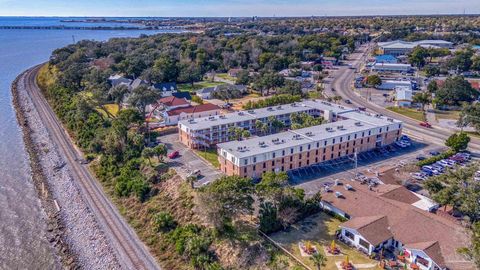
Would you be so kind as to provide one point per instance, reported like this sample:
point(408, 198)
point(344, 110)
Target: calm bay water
point(22, 231)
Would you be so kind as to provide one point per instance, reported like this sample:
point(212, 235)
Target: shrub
point(164, 221)
point(434, 159)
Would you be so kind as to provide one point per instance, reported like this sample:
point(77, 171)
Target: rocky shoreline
point(73, 231)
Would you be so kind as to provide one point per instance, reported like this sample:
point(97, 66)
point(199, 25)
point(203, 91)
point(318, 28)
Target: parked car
point(405, 138)
point(420, 157)
point(348, 101)
point(333, 89)
point(434, 153)
point(173, 155)
point(425, 124)
point(362, 109)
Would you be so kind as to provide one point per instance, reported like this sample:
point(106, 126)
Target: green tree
point(458, 141)
point(227, 198)
point(164, 222)
point(148, 153)
point(374, 80)
point(432, 87)
point(271, 186)
point(117, 94)
point(318, 260)
point(243, 77)
point(454, 91)
point(269, 221)
point(417, 56)
point(470, 115)
point(422, 98)
point(160, 151)
point(143, 96)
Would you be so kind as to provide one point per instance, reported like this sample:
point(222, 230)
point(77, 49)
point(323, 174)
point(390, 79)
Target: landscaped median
point(411, 113)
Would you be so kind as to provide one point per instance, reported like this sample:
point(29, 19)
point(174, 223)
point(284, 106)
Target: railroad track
point(131, 253)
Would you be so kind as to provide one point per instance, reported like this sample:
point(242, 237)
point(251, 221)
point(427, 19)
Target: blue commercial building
point(386, 58)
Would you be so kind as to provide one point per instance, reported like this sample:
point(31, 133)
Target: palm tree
point(318, 260)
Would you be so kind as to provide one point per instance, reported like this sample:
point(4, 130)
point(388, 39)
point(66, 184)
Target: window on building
point(348, 144)
point(245, 161)
point(324, 150)
point(273, 155)
point(301, 148)
point(348, 137)
point(316, 160)
point(291, 158)
point(291, 166)
point(283, 152)
point(254, 159)
point(346, 152)
point(341, 139)
point(333, 141)
point(309, 147)
point(349, 235)
point(369, 132)
point(273, 163)
point(323, 158)
point(368, 139)
point(253, 167)
point(316, 152)
point(318, 144)
point(361, 141)
point(245, 170)
point(364, 244)
point(355, 136)
point(333, 147)
point(324, 143)
point(283, 160)
point(300, 156)
point(363, 134)
point(291, 150)
point(380, 130)
point(331, 156)
point(264, 165)
point(299, 164)
point(308, 154)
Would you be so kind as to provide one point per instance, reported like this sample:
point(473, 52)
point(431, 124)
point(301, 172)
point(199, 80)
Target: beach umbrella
point(332, 245)
point(346, 260)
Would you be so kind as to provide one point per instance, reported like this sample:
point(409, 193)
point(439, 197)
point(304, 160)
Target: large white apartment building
point(348, 130)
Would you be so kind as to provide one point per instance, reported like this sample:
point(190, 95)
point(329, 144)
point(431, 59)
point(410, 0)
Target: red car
point(173, 155)
point(425, 124)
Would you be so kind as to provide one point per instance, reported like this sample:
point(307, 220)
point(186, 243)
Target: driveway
point(188, 161)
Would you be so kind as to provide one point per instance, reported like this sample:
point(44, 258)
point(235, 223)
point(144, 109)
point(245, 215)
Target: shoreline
point(74, 233)
point(55, 225)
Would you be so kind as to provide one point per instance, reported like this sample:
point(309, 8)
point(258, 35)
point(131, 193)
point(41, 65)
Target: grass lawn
point(319, 229)
point(210, 155)
point(109, 110)
point(225, 76)
point(455, 115)
point(412, 113)
point(197, 86)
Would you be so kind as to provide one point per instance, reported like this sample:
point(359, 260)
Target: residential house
point(137, 83)
point(233, 72)
point(172, 117)
point(392, 218)
point(116, 80)
point(166, 89)
point(206, 93)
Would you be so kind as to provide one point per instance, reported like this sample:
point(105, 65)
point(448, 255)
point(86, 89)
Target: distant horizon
point(235, 8)
point(219, 16)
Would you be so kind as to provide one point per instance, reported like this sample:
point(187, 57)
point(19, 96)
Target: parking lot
point(188, 161)
point(313, 178)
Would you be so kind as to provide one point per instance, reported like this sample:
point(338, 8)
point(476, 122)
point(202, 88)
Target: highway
point(131, 253)
point(342, 83)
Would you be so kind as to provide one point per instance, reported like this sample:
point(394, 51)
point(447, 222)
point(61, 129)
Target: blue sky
point(233, 7)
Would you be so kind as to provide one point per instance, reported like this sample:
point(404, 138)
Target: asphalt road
point(131, 252)
point(343, 86)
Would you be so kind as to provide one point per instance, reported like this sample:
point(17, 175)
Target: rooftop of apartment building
point(305, 105)
point(291, 138)
point(390, 211)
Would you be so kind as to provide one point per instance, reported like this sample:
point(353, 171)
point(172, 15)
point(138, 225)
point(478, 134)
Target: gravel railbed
point(74, 232)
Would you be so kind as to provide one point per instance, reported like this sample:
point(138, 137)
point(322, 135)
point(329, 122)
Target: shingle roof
point(194, 109)
point(431, 248)
point(173, 101)
point(373, 228)
point(407, 223)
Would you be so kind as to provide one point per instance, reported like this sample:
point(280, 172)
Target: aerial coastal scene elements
point(240, 135)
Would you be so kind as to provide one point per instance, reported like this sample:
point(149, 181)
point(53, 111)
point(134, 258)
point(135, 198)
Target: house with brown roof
point(172, 117)
point(387, 217)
